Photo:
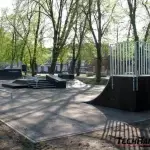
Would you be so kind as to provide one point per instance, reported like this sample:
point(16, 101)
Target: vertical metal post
point(146, 58)
point(111, 62)
point(137, 67)
point(111, 65)
point(120, 49)
point(133, 53)
point(129, 51)
point(126, 57)
point(115, 59)
point(148, 63)
point(135, 82)
point(141, 49)
point(144, 48)
point(123, 58)
point(139, 58)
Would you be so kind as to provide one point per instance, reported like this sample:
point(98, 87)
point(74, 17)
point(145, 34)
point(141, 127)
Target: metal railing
point(130, 58)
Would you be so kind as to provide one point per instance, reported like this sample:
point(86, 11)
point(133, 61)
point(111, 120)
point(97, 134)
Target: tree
point(78, 39)
point(33, 62)
point(63, 57)
point(133, 5)
point(146, 5)
point(62, 15)
point(132, 13)
point(97, 10)
point(21, 24)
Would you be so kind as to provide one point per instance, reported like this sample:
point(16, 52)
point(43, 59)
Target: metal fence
point(130, 58)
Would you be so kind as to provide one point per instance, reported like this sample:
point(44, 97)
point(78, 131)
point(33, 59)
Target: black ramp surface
point(123, 94)
point(103, 97)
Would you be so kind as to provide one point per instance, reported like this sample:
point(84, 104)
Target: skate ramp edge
point(104, 93)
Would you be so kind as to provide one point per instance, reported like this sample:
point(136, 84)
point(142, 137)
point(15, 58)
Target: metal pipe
point(120, 58)
point(123, 58)
point(129, 52)
point(132, 60)
point(144, 56)
point(115, 59)
point(111, 61)
point(136, 67)
point(136, 56)
point(148, 67)
point(126, 57)
point(141, 59)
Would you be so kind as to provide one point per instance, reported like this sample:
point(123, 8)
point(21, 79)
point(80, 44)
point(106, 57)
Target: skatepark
point(41, 114)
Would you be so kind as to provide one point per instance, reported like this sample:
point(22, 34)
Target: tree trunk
point(22, 50)
point(33, 67)
point(61, 67)
point(98, 70)
point(72, 67)
point(33, 63)
point(12, 64)
point(54, 61)
point(78, 67)
point(98, 61)
point(53, 65)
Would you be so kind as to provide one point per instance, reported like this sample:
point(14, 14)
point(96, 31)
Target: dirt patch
point(98, 140)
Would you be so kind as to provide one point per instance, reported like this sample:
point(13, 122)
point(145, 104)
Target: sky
point(6, 3)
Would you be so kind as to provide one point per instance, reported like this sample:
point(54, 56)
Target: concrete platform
point(46, 114)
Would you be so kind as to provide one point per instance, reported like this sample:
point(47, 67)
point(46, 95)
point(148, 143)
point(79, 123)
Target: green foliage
point(5, 46)
point(43, 55)
point(64, 55)
point(105, 49)
point(88, 52)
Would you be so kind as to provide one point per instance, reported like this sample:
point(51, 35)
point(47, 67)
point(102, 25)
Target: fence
point(130, 58)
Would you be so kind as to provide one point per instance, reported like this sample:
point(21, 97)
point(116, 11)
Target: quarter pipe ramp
point(119, 93)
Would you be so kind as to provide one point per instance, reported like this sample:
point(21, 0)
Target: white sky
point(6, 3)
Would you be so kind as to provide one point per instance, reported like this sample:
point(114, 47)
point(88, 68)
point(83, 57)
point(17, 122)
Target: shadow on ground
point(104, 139)
point(101, 139)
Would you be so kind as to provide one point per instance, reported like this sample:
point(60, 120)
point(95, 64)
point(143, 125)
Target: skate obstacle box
point(66, 76)
point(129, 85)
point(58, 82)
point(51, 81)
point(10, 74)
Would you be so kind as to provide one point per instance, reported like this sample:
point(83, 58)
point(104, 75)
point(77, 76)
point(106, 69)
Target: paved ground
point(51, 113)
